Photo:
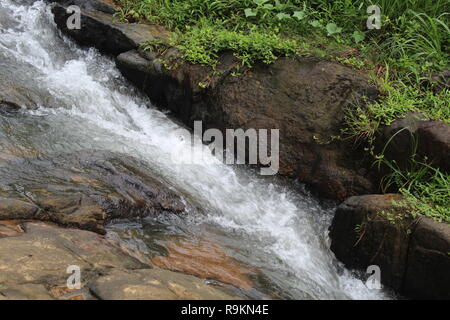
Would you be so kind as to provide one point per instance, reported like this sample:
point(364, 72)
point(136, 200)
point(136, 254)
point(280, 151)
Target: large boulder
point(99, 28)
point(415, 136)
point(427, 274)
point(34, 258)
point(154, 284)
point(85, 190)
point(412, 253)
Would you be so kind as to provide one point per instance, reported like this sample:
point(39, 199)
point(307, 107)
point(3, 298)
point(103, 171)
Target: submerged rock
point(15, 97)
point(412, 253)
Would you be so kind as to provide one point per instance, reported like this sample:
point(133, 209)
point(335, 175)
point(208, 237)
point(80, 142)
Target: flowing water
point(83, 103)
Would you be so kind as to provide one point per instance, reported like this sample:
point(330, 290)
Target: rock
point(15, 97)
point(303, 98)
point(43, 252)
point(85, 190)
point(362, 236)
point(434, 143)
point(205, 260)
point(412, 253)
point(27, 291)
point(427, 274)
point(33, 266)
point(17, 209)
point(441, 81)
point(154, 284)
point(413, 135)
point(100, 30)
point(9, 228)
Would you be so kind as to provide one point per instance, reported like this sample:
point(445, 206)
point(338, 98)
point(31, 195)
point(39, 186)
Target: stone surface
point(412, 135)
point(42, 253)
point(15, 97)
point(411, 253)
point(203, 259)
point(154, 284)
point(427, 274)
point(33, 264)
point(99, 29)
point(84, 190)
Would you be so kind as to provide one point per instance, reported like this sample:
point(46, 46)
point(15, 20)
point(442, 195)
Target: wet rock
point(33, 266)
point(43, 252)
point(413, 135)
point(85, 190)
point(427, 275)
point(154, 284)
point(441, 81)
point(100, 30)
point(17, 209)
point(411, 253)
point(205, 260)
point(13, 97)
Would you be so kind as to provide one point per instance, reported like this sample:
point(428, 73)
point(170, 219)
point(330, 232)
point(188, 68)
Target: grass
point(412, 45)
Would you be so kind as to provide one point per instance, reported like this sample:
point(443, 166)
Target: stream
point(79, 101)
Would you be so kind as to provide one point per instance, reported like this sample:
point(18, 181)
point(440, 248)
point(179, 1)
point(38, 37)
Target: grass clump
point(205, 43)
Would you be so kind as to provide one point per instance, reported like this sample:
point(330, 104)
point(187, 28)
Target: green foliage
point(426, 189)
point(203, 44)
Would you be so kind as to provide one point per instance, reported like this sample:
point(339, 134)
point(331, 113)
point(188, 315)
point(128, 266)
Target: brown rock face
point(427, 275)
point(99, 29)
point(411, 253)
point(154, 284)
point(34, 261)
point(84, 190)
point(43, 252)
point(205, 260)
point(429, 140)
